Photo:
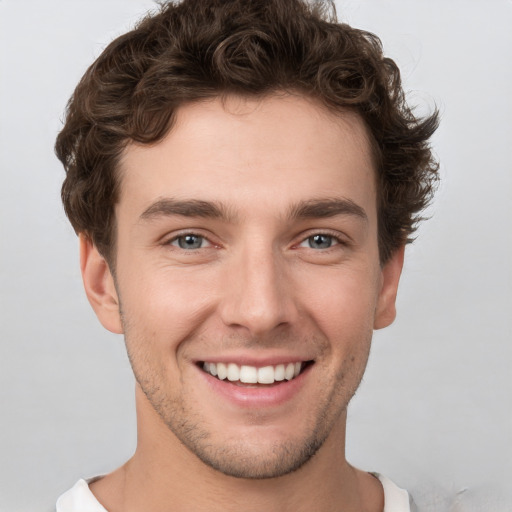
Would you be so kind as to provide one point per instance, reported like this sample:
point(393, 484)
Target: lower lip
point(254, 397)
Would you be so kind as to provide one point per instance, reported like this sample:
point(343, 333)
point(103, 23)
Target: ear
point(385, 312)
point(99, 286)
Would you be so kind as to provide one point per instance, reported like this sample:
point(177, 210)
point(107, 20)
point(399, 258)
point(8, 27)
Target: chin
point(250, 461)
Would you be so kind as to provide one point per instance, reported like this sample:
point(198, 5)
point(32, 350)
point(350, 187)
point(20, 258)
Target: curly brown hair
point(201, 49)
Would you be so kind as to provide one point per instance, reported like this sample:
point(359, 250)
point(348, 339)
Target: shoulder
point(395, 498)
point(79, 499)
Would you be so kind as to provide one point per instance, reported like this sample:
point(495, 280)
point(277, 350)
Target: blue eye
point(189, 242)
point(320, 241)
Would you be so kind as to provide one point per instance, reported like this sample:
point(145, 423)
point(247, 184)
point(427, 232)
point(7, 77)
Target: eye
point(320, 241)
point(189, 241)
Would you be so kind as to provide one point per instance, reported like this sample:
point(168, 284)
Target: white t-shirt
point(80, 498)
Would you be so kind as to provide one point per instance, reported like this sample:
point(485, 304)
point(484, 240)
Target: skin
point(256, 287)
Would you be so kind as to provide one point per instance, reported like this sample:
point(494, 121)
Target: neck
point(165, 476)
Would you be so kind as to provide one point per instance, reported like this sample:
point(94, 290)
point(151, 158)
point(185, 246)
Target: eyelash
point(335, 237)
point(188, 234)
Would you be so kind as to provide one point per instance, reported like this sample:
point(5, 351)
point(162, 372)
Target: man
point(243, 177)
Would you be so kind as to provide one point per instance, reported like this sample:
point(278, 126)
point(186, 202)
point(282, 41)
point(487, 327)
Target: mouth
point(252, 376)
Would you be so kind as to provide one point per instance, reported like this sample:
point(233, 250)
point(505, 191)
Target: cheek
point(343, 302)
point(167, 304)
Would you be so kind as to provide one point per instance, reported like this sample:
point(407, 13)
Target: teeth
point(222, 371)
point(233, 372)
point(279, 372)
point(251, 374)
point(266, 375)
point(248, 374)
point(289, 371)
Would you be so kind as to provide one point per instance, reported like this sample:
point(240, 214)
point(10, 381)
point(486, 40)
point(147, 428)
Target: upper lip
point(253, 360)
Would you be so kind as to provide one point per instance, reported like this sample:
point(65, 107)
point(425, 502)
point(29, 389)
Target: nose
point(258, 294)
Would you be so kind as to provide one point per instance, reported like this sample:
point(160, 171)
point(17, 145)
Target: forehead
point(282, 148)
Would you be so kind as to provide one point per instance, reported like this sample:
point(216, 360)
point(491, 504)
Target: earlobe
point(99, 286)
point(390, 276)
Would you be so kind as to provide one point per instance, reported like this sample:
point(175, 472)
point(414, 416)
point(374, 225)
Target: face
point(248, 281)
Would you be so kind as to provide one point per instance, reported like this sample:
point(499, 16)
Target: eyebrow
point(324, 208)
point(313, 208)
point(188, 208)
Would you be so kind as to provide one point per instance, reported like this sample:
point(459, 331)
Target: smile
point(253, 375)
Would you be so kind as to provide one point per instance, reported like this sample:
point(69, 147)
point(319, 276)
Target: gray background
point(434, 411)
